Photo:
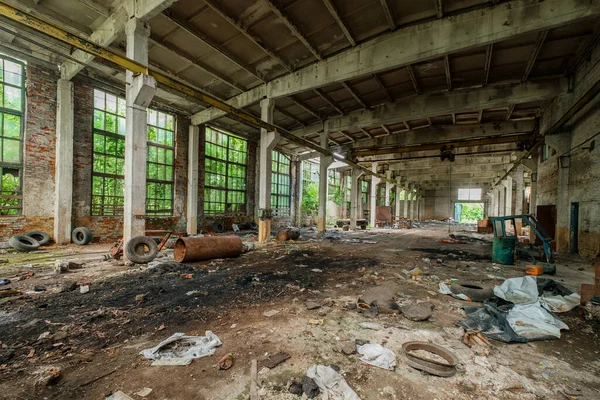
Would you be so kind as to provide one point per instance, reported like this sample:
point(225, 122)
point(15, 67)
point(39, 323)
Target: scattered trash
point(193, 292)
point(187, 276)
point(426, 363)
point(377, 355)
point(426, 260)
point(526, 290)
point(271, 313)
point(381, 297)
point(296, 388)
point(316, 322)
point(310, 387)
point(235, 227)
point(84, 289)
point(316, 270)
point(414, 273)
point(44, 335)
point(275, 360)
point(144, 392)
point(331, 384)
point(418, 312)
point(64, 266)
point(4, 281)
point(47, 375)
point(119, 395)
point(9, 292)
point(473, 338)
point(371, 325)
point(182, 348)
point(226, 362)
point(450, 241)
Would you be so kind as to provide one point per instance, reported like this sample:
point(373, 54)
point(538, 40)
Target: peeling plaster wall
point(578, 183)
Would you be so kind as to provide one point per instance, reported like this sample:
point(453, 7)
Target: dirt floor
point(59, 343)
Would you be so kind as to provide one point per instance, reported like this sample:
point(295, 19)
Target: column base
point(264, 230)
point(321, 226)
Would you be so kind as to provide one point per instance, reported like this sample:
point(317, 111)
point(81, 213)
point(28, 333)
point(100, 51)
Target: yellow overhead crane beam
point(135, 67)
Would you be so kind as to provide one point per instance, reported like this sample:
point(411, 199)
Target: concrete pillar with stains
point(268, 141)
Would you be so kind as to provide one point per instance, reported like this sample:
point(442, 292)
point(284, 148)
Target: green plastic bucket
point(503, 250)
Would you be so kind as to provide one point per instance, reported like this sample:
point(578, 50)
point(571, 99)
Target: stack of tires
point(31, 241)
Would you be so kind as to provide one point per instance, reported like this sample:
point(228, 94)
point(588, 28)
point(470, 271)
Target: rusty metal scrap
point(427, 365)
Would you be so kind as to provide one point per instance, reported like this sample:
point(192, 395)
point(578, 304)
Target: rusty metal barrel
point(189, 249)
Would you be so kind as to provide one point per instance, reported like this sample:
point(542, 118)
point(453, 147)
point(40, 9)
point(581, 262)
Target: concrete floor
point(107, 327)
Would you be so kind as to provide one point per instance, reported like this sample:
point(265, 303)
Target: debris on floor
point(332, 385)
point(426, 357)
point(180, 347)
point(377, 355)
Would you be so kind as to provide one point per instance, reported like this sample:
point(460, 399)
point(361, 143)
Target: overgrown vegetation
point(471, 212)
point(310, 198)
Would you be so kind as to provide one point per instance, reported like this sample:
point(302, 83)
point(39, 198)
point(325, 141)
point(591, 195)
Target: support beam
point(293, 28)
point(429, 105)
point(539, 42)
point(354, 196)
point(509, 111)
point(462, 32)
point(347, 136)
point(112, 28)
point(388, 188)
point(440, 8)
point(397, 212)
point(192, 184)
point(388, 14)
point(355, 95)
point(218, 8)
point(373, 203)
point(324, 163)
point(448, 74)
point(488, 63)
point(64, 162)
point(139, 93)
point(386, 93)
point(268, 141)
point(305, 108)
point(329, 101)
point(290, 116)
point(336, 16)
point(191, 30)
point(413, 78)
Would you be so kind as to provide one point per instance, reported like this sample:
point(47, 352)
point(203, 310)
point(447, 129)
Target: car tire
point(42, 237)
point(474, 291)
point(81, 236)
point(141, 250)
point(23, 243)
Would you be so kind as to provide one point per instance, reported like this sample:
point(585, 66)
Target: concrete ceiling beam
point(112, 27)
point(338, 19)
point(444, 133)
point(429, 41)
point(430, 105)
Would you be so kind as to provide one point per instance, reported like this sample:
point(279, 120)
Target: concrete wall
point(578, 183)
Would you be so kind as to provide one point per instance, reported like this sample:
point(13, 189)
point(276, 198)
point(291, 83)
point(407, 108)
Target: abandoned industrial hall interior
point(299, 199)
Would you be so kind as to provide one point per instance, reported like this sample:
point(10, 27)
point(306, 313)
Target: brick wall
point(107, 228)
point(39, 140)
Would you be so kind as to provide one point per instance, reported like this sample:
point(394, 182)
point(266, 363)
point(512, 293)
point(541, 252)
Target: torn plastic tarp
point(333, 386)
point(377, 355)
point(445, 288)
point(508, 322)
point(181, 347)
point(526, 290)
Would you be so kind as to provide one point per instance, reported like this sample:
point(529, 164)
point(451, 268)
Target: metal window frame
point(165, 212)
point(276, 176)
point(208, 211)
point(17, 194)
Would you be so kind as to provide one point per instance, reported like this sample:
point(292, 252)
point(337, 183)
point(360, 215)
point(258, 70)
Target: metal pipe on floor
point(190, 249)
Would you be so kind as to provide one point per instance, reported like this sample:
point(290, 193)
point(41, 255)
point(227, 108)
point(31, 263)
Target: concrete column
point(299, 189)
point(192, 184)
point(360, 202)
point(355, 198)
point(324, 163)
point(63, 204)
point(501, 200)
point(561, 142)
point(509, 195)
point(519, 191)
point(422, 206)
point(374, 182)
point(268, 141)
point(139, 93)
point(398, 191)
point(413, 203)
point(388, 188)
point(406, 201)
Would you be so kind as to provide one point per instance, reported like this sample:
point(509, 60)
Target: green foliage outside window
point(12, 94)
point(280, 183)
point(109, 158)
point(225, 173)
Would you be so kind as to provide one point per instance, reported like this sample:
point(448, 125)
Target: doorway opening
point(468, 213)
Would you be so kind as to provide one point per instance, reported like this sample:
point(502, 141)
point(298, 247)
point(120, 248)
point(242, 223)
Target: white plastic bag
point(333, 386)
point(377, 355)
point(181, 347)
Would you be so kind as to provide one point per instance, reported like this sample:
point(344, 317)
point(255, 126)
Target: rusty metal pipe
point(189, 249)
